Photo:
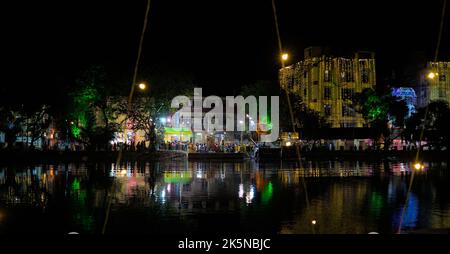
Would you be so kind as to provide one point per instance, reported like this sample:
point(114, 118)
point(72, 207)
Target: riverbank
point(366, 155)
point(72, 156)
point(14, 157)
point(218, 156)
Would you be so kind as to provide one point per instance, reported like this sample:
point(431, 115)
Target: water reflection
point(181, 196)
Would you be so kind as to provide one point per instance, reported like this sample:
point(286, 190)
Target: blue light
point(411, 215)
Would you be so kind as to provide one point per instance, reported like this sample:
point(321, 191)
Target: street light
point(284, 56)
point(419, 166)
point(142, 86)
point(432, 75)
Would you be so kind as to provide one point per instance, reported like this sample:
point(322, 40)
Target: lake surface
point(181, 197)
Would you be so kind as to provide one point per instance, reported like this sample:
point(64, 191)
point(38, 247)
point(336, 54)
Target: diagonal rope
point(436, 54)
point(440, 31)
point(291, 113)
point(129, 104)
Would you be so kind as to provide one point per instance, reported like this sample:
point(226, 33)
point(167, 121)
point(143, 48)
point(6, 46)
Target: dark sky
point(224, 44)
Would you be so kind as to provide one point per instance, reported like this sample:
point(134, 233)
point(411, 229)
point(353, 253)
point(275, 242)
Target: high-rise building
point(434, 83)
point(328, 84)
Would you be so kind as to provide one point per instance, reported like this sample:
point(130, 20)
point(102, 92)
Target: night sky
point(223, 44)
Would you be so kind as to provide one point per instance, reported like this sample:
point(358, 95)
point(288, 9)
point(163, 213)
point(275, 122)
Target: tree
point(93, 112)
point(306, 120)
point(148, 108)
point(36, 122)
point(32, 120)
point(10, 124)
point(398, 110)
point(144, 115)
point(431, 126)
point(380, 108)
point(261, 88)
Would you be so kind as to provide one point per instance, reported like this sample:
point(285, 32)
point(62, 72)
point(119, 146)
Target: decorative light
point(250, 195)
point(314, 222)
point(241, 190)
point(288, 143)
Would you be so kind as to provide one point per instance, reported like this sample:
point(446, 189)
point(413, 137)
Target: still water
point(181, 196)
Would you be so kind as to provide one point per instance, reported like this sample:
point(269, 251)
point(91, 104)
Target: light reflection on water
point(181, 196)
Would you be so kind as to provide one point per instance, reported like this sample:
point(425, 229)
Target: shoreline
point(371, 155)
point(9, 157)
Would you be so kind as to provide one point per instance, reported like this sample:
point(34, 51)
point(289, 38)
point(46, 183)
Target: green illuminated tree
point(373, 106)
point(93, 111)
point(380, 108)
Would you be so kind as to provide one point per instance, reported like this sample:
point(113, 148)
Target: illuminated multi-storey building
point(327, 84)
point(434, 83)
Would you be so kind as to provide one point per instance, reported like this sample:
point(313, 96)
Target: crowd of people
point(78, 146)
point(206, 148)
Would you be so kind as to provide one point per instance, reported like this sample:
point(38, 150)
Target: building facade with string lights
point(328, 83)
